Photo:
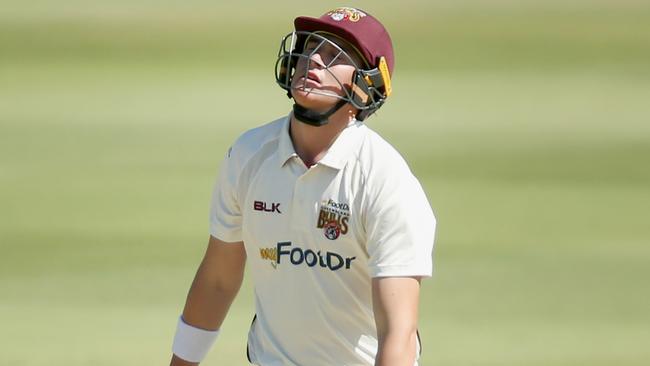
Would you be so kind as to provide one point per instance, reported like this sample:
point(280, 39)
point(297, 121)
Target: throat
point(312, 143)
point(310, 160)
point(308, 163)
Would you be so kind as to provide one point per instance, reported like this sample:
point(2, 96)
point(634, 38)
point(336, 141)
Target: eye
point(310, 46)
point(336, 61)
point(341, 59)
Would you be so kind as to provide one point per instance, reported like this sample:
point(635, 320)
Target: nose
point(317, 60)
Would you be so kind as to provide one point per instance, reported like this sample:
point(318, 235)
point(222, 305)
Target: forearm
point(397, 349)
point(213, 290)
point(395, 303)
point(177, 361)
point(206, 308)
point(208, 302)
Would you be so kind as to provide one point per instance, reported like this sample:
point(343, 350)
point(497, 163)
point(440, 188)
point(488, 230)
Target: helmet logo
point(345, 13)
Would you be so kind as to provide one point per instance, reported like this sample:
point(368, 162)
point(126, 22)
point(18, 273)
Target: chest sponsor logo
point(263, 206)
point(333, 219)
point(286, 252)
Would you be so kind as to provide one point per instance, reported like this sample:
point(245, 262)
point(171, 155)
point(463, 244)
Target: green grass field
point(527, 122)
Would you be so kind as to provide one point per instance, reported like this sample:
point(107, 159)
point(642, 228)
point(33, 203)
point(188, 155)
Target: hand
point(177, 361)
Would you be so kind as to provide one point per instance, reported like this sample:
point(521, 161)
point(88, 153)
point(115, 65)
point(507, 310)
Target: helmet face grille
point(362, 93)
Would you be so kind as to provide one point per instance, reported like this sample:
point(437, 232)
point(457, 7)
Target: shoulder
point(253, 140)
point(391, 189)
point(379, 159)
point(387, 176)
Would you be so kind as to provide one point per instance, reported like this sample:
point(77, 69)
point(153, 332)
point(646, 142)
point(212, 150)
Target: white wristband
point(191, 343)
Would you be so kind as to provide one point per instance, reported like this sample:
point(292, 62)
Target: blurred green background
point(526, 121)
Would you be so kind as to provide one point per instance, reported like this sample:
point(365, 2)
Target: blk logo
point(263, 206)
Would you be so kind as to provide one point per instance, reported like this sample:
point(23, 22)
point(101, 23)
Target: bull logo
point(332, 230)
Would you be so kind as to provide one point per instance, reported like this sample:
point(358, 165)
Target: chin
point(313, 101)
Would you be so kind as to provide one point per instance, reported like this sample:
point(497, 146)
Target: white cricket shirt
point(315, 237)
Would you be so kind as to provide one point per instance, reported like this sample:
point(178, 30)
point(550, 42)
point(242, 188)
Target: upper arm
point(225, 210)
point(224, 263)
point(395, 304)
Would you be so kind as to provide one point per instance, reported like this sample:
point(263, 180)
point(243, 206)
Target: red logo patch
point(332, 230)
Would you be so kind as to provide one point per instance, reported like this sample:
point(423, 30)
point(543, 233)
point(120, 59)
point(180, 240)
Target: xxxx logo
point(270, 254)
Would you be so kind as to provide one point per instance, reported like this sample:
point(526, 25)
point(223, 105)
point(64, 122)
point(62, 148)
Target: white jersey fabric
point(315, 237)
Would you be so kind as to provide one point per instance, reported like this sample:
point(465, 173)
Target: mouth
point(310, 82)
point(312, 75)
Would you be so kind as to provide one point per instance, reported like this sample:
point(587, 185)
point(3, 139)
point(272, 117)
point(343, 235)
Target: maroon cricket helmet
point(357, 27)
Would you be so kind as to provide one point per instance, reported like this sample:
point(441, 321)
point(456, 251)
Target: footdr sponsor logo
point(285, 252)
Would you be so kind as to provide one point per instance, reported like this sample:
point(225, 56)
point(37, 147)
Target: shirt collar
point(337, 155)
point(285, 147)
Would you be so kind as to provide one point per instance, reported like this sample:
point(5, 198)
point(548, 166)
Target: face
point(322, 72)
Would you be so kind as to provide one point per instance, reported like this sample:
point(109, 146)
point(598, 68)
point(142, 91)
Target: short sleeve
point(225, 211)
point(400, 226)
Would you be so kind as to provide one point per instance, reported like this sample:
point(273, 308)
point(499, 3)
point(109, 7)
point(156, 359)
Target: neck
point(311, 142)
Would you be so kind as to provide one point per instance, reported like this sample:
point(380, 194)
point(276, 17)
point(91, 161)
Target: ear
point(370, 88)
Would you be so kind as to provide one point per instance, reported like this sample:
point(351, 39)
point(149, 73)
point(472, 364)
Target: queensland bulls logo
point(333, 219)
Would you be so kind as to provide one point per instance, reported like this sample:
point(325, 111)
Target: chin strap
point(310, 117)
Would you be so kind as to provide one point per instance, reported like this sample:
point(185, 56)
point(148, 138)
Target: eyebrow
point(329, 42)
point(344, 46)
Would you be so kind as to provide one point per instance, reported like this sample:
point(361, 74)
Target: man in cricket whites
point(336, 230)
